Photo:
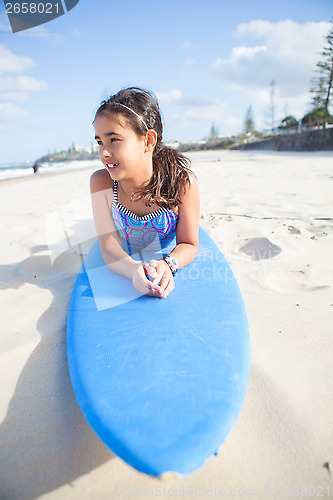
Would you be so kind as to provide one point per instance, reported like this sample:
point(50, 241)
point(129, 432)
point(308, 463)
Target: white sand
point(271, 214)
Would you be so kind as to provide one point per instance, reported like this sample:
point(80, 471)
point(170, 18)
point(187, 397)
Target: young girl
point(145, 197)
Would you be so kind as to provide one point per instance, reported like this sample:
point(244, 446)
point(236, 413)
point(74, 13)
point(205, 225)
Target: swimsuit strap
point(126, 211)
point(115, 194)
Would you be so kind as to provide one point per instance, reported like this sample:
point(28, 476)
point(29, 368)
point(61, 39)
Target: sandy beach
point(271, 214)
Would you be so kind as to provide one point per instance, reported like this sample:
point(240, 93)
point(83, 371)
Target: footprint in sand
point(308, 279)
point(260, 249)
point(293, 230)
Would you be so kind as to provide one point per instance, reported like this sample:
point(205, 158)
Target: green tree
point(322, 85)
point(288, 123)
point(249, 121)
point(318, 117)
point(213, 134)
point(319, 93)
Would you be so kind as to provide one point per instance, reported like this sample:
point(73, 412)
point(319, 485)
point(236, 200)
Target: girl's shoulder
point(100, 180)
point(191, 195)
point(192, 185)
point(192, 178)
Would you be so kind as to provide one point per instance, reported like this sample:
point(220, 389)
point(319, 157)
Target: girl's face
point(121, 150)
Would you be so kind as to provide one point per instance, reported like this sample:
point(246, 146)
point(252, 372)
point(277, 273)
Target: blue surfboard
point(160, 381)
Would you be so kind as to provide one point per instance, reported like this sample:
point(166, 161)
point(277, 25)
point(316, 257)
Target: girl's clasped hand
point(154, 279)
point(145, 198)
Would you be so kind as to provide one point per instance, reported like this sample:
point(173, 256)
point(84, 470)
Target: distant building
point(87, 149)
point(173, 144)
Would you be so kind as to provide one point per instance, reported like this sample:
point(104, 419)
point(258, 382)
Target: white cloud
point(18, 88)
point(42, 32)
point(12, 63)
point(37, 32)
point(196, 113)
point(9, 109)
point(15, 86)
point(205, 110)
point(173, 95)
point(9, 112)
point(189, 62)
point(286, 52)
point(195, 107)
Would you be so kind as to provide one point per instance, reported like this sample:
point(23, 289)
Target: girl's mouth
point(110, 167)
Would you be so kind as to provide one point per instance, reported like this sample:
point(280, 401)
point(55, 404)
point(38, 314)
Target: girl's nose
point(104, 152)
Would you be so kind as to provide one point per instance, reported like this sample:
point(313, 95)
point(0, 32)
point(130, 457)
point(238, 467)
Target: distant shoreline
point(50, 168)
point(192, 154)
point(45, 173)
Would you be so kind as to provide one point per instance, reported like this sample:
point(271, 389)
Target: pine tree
point(213, 135)
point(271, 108)
point(323, 84)
point(249, 121)
point(319, 91)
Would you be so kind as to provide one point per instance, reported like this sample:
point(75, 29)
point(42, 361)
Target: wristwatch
point(172, 263)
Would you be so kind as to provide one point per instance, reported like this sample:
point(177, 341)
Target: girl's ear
point(151, 139)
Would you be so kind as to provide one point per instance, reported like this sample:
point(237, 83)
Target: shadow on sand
point(45, 442)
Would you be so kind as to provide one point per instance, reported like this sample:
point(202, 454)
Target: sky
point(207, 62)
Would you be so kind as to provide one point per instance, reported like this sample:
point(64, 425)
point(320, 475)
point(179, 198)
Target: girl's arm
point(113, 255)
point(187, 236)
point(187, 233)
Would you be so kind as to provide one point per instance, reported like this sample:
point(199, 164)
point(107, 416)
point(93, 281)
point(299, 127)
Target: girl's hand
point(162, 276)
point(141, 283)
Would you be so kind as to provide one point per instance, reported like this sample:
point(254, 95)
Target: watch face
point(172, 262)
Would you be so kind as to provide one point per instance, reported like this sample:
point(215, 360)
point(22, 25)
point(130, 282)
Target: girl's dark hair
point(171, 168)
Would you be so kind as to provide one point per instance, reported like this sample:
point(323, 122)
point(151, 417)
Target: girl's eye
point(113, 139)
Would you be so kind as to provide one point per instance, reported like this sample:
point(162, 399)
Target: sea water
point(15, 170)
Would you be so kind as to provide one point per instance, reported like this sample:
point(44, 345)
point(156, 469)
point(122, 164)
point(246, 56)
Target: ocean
point(16, 170)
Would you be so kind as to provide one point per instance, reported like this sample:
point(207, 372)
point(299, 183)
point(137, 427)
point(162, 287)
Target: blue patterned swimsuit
point(151, 232)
